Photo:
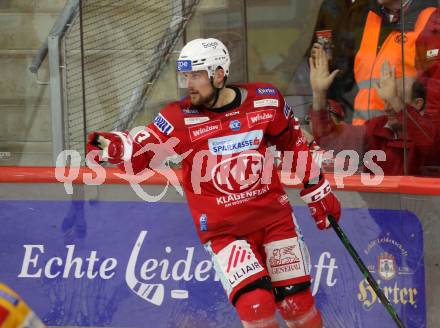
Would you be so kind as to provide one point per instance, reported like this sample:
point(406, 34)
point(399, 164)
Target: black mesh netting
point(125, 45)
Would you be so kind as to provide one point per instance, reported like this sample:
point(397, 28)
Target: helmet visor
point(194, 79)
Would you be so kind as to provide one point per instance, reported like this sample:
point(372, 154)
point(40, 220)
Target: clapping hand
point(320, 77)
point(386, 87)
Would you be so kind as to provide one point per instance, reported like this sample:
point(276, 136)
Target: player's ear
point(219, 77)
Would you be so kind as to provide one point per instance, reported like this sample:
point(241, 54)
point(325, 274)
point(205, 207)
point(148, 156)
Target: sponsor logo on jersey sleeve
point(287, 110)
point(266, 91)
point(200, 131)
point(195, 120)
point(260, 117)
point(235, 143)
point(163, 125)
point(266, 103)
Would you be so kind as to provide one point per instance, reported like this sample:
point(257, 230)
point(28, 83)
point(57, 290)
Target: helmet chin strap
point(216, 91)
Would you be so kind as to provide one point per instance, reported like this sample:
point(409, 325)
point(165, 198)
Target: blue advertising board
point(134, 264)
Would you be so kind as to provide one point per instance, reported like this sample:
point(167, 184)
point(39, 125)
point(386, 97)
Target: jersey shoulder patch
point(164, 126)
point(168, 119)
point(261, 90)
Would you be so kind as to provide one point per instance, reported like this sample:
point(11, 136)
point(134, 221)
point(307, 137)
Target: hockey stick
point(343, 237)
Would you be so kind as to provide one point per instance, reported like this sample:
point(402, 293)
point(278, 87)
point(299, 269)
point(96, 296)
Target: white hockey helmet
point(204, 55)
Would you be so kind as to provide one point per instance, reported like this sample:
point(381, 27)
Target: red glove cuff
point(322, 203)
point(317, 192)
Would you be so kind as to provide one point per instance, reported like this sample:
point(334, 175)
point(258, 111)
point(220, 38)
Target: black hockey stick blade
point(368, 276)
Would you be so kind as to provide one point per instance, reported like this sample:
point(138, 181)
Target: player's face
point(199, 87)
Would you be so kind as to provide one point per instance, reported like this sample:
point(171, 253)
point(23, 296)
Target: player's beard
point(202, 100)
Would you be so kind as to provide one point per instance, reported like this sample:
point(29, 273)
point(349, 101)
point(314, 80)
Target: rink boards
point(102, 257)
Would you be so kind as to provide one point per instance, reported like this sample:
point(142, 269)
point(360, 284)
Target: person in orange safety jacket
point(371, 35)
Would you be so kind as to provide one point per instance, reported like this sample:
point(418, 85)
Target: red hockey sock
point(299, 311)
point(257, 309)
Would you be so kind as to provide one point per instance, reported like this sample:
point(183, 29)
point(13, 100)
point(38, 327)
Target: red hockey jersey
point(231, 184)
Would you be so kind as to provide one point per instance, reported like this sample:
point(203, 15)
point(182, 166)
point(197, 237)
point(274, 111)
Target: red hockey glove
point(114, 147)
point(322, 202)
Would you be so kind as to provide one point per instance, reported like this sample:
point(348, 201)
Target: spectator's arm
point(320, 80)
point(322, 124)
point(320, 77)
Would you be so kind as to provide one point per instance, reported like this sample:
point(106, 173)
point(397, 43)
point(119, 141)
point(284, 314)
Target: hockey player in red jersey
point(240, 210)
